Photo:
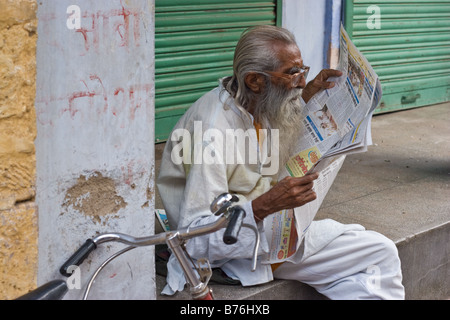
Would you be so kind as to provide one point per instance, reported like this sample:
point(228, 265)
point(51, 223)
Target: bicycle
point(198, 276)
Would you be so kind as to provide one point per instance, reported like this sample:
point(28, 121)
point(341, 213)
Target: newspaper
point(284, 230)
point(162, 218)
point(336, 122)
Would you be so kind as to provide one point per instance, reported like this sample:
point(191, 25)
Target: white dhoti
point(357, 264)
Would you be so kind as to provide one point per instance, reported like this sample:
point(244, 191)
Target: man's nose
point(302, 83)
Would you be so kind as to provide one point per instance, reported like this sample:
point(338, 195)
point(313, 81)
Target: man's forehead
point(289, 55)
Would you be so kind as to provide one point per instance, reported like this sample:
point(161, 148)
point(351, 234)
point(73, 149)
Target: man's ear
point(255, 81)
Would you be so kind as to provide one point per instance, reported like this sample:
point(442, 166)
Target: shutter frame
point(410, 52)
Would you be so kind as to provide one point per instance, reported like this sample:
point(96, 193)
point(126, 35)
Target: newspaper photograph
point(337, 122)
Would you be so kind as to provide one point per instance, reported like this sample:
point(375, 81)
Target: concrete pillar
point(95, 139)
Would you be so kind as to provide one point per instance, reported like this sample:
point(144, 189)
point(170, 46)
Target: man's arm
point(205, 182)
point(320, 82)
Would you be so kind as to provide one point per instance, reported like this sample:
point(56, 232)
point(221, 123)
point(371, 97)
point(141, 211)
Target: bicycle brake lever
point(222, 202)
point(256, 247)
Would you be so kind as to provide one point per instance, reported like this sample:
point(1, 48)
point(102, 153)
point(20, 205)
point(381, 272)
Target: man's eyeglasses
point(294, 79)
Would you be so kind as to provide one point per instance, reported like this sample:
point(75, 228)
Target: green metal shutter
point(194, 47)
point(410, 51)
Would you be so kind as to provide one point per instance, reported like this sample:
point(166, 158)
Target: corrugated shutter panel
point(410, 51)
point(194, 47)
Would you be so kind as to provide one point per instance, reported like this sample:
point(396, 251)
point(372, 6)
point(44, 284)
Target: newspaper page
point(285, 230)
point(359, 137)
point(337, 122)
point(281, 233)
point(162, 218)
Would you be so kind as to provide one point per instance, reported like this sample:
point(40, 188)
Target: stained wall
point(95, 139)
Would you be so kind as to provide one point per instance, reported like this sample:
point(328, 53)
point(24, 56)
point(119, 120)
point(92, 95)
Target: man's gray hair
point(254, 53)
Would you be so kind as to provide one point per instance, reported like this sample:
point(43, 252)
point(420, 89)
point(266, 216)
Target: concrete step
point(275, 290)
point(400, 187)
point(426, 274)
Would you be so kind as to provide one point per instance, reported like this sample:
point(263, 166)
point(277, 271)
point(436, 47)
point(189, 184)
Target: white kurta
point(188, 189)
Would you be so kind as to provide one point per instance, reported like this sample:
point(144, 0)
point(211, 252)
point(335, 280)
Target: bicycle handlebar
point(232, 219)
point(231, 233)
point(78, 257)
point(53, 290)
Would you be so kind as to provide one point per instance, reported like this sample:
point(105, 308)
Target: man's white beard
point(281, 109)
